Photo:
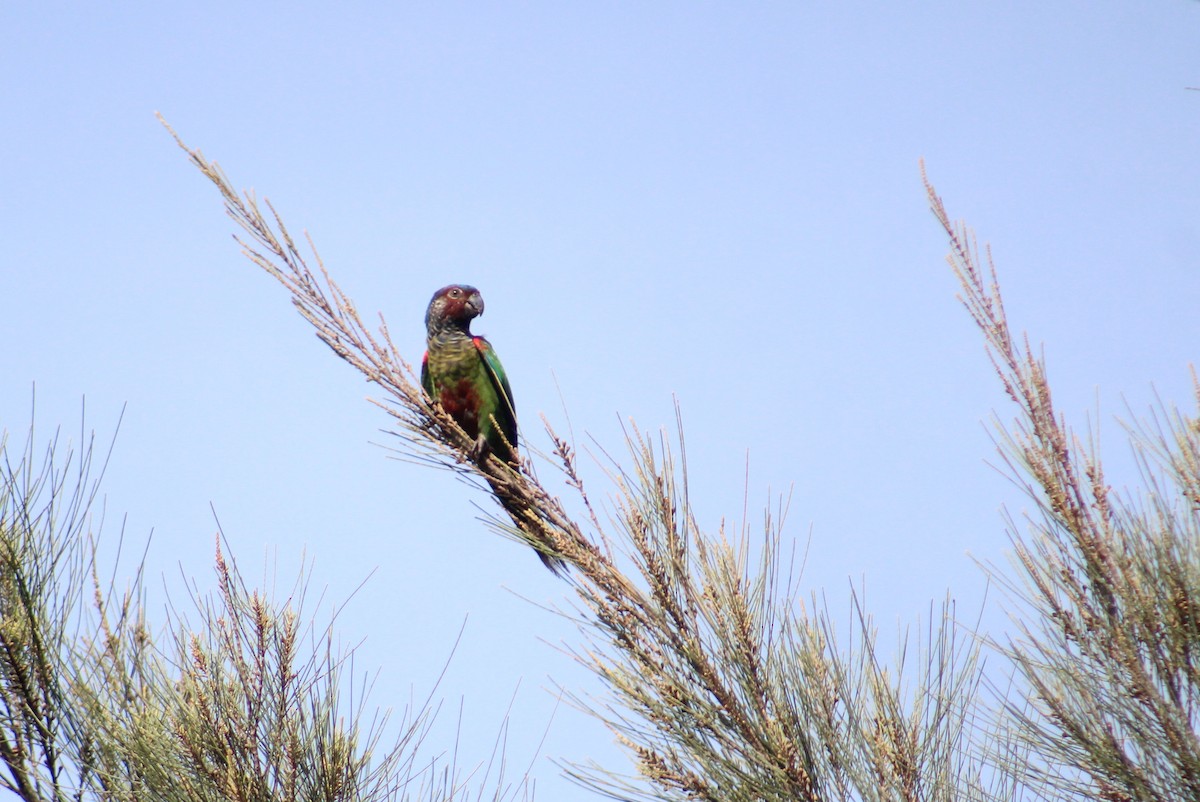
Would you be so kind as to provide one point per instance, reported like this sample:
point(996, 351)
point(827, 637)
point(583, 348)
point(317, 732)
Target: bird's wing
point(426, 382)
point(507, 417)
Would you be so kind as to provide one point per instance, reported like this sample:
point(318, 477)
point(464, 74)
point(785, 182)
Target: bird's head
point(455, 305)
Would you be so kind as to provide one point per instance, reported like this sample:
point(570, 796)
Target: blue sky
point(708, 201)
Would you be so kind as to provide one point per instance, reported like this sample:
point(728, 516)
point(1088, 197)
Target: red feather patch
point(461, 401)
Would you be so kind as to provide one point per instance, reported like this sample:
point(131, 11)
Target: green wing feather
point(426, 379)
point(506, 410)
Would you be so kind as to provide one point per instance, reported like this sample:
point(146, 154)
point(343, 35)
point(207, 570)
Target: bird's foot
point(479, 449)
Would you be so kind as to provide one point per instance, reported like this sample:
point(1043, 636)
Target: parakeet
point(463, 373)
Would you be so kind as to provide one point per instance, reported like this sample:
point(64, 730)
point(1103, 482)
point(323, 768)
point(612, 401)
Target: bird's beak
point(475, 303)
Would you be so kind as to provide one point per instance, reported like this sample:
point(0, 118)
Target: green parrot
point(464, 374)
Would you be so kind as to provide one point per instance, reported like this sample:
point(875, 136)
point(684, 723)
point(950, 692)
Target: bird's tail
point(531, 525)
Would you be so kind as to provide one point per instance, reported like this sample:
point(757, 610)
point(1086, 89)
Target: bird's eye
point(454, 293)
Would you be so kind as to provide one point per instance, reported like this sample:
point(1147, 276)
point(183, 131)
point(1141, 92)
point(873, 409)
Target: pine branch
point(1109, 654)
point(722, 686)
